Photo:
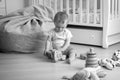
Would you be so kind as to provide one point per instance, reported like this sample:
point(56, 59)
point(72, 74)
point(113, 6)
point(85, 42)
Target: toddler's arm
point(66, 44)
point(49, 43)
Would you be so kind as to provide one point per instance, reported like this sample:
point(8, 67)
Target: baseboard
point(114, 38)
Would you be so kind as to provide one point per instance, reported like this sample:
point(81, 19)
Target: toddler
point(59, 40)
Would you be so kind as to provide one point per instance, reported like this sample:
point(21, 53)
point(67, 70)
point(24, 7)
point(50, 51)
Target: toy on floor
point(55, 55)
point(91, 60)
point(88, 74)
point(116, 58)
point(84, 75)
point(91, 71)
point(89, 55)
point(83, 56)
point(92, 64)
point(112, 62)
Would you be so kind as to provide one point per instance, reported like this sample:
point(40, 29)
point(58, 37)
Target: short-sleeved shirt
point(58, 39)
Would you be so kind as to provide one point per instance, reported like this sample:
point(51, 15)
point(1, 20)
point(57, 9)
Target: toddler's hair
point(60, 16)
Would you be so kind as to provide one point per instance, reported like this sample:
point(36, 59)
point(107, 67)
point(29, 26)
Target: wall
point(13, 5)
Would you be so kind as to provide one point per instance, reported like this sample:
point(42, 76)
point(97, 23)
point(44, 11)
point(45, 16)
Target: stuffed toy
point(107, 63)
point(116, 56)
point(88, 74)
point(112, 62)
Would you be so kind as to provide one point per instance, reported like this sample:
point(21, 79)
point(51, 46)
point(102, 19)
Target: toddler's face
point(60, 25)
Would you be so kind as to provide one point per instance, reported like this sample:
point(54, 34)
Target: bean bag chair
point(23, 30)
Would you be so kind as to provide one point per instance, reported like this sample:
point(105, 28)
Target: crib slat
point(116, 10)
point(47, 3)
point(55, 6)
point(110, 9)
point(95, 10)
point(113, 9)
point(80, 10)
point(74, 18)
point(119, 8)
point(33, 2)
point(40, 2)
point(50, 3)
point(44, 2)
point(88, 11)
point(61, 5)
point(101, 11)
point(37, 1)
point(67, 6)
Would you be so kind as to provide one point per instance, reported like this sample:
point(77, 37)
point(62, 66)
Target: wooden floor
point(37, 67)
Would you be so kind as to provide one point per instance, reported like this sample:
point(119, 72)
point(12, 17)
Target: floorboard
point(14, 66)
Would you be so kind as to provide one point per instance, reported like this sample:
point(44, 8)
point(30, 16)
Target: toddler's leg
point(71, 53)
point(72, 56)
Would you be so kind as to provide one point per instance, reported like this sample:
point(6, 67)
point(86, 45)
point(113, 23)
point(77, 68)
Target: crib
point(98, 20)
